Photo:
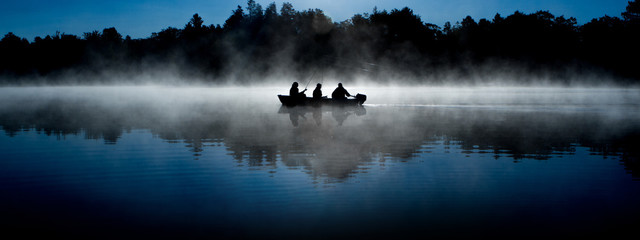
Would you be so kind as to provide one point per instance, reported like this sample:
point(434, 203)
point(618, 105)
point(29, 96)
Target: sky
point(140, 18)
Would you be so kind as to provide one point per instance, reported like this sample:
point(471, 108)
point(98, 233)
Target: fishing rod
point(314, 73)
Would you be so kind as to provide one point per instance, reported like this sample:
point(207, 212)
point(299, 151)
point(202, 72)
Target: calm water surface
point(232, 163)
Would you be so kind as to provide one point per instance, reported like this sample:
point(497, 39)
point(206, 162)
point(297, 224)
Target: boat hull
point(307, 101)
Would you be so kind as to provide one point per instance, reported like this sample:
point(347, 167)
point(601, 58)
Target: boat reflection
point(339, 113)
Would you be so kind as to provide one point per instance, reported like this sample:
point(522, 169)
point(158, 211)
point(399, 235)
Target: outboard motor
point(361, 98)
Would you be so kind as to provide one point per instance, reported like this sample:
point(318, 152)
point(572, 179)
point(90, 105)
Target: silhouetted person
point(317, 93)
point(340, 93)
point(294, 91)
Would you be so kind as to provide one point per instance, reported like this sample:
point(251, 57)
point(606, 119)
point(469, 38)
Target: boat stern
point(361, 98)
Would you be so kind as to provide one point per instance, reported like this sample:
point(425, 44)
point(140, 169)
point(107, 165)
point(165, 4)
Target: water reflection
point(392, 170)
point(339, 113)
point(335, 142)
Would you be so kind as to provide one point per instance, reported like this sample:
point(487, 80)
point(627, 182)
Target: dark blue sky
point(140, 18)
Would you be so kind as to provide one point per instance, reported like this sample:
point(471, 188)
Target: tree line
point(255, 42)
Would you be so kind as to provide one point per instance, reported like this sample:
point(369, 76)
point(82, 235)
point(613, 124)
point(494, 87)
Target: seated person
point(294, 91)
point(340, 93)
point(317, 93)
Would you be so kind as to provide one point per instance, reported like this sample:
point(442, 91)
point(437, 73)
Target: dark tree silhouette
point(632, 13)
point(255, 42)
point(12, 54)
point(235, 20)
point(195, 22)
point(111, 35)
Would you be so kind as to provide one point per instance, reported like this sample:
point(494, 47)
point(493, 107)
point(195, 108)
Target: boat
point(289, 101)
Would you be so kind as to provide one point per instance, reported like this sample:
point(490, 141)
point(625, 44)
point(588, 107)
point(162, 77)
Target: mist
point(525, 125)
point(215, 153)
point(393, 120)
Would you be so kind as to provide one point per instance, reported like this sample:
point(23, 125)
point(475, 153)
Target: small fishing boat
point(308, 101)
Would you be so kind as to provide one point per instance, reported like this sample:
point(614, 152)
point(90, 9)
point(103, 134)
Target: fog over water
point(393, 117)
point(233, 162)
point(523, 126)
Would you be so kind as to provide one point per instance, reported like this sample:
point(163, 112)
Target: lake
point(201, 162)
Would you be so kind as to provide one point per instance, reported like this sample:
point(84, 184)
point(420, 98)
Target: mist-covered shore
point(257, 44)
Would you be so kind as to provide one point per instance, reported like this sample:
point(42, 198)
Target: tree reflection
point(338, 144)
